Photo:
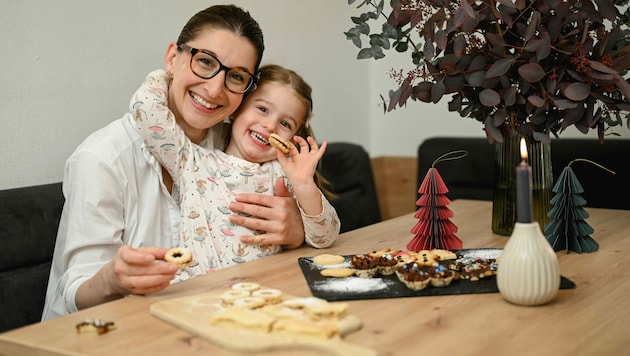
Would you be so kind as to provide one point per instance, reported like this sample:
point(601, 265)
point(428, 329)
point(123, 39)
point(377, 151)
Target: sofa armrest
point(29, 219)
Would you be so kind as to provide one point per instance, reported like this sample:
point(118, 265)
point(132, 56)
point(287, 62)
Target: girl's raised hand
point(300, 165)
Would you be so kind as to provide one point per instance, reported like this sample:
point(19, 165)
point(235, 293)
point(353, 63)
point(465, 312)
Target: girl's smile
point(271, 108)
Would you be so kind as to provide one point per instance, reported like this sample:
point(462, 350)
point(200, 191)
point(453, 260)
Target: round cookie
point(246, 286)
point(250, 302)
point(230, 296)
point(270, 295)
point(180, 256)
point(326, 259)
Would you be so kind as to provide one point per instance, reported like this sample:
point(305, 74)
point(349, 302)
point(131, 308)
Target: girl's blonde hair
point(273, 73)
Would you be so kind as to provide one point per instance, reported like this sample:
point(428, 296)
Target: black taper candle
point(524, 211)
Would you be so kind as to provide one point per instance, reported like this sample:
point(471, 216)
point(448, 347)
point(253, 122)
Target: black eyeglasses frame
point(251, 85)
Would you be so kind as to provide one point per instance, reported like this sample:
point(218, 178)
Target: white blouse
point(114, 196)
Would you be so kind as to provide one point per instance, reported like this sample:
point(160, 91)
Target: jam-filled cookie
point(278, 142)
point(270, 295)
point(180, 256)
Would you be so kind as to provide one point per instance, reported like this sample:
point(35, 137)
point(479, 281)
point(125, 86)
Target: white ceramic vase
point(528, 271)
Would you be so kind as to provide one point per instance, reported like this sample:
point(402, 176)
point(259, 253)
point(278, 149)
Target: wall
point(396, 184)
point(69, 67)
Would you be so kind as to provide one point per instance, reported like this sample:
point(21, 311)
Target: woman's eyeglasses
point(205, 65)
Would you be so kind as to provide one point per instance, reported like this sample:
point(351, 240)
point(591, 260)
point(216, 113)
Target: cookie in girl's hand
point(278, 142)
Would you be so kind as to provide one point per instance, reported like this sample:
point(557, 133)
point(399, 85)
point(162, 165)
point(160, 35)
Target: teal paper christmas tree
point(567, 229)
point(433, 230)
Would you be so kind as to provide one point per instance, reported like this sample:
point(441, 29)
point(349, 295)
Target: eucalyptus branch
point(549, 64)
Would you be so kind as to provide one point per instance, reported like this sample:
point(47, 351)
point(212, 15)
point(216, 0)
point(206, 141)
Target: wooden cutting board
point(193, 313)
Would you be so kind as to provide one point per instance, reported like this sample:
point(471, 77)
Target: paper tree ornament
point(433, 229)
point(567, 229)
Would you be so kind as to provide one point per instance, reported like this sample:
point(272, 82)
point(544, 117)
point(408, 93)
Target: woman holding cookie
point(120, 215)
point(207, 179)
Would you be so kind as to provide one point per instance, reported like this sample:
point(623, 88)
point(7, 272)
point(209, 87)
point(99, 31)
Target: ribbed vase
point(528, 271)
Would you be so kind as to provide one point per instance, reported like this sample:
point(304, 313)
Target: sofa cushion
point(470, 177)
point(29, 218)
point(601, 188)
point(348, 169)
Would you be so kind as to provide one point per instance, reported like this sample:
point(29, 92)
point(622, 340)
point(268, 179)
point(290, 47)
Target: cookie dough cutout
point(242, 318)
point(327, 259)
point(278, 142)
point(337, 272)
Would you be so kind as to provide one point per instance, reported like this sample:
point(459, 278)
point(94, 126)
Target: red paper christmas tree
point(433, 229)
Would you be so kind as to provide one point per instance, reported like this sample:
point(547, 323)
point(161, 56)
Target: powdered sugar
point(486, 253)
point(352, 285)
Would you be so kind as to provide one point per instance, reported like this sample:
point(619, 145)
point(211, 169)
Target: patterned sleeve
point(322, 230)
point(156, 123)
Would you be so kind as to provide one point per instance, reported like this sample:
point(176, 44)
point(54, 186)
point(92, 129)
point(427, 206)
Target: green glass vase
point(506, 157)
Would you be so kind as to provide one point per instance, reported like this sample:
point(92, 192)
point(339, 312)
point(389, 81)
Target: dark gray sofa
point(29, 218)
point(348, 169)
point(601, 189)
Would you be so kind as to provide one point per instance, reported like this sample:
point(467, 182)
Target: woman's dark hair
point(225, 17)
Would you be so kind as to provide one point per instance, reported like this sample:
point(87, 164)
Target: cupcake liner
point(365, 273)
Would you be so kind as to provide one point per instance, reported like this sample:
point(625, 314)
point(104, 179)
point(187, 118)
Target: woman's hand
point(277, 215)
point(131, 271)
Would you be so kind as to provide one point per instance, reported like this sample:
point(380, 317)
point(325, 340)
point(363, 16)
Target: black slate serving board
point(353, 288)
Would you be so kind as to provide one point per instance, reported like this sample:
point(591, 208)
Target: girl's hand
point(300, 165)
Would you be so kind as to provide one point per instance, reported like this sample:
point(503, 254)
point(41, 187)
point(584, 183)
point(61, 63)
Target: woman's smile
point(200, 101)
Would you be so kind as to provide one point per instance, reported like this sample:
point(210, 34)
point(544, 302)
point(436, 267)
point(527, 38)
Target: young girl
point(206, 180)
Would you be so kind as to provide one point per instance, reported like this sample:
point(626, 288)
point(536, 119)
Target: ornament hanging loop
point(591, 162)
point(449, 156)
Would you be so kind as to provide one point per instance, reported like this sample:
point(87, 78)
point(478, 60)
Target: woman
point(119, 216)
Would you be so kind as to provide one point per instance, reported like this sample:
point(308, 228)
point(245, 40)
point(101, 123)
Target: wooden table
point(592, 319)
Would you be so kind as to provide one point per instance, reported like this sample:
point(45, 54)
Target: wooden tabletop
point(592, 319)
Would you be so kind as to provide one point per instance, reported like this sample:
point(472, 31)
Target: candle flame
point(523, 149)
